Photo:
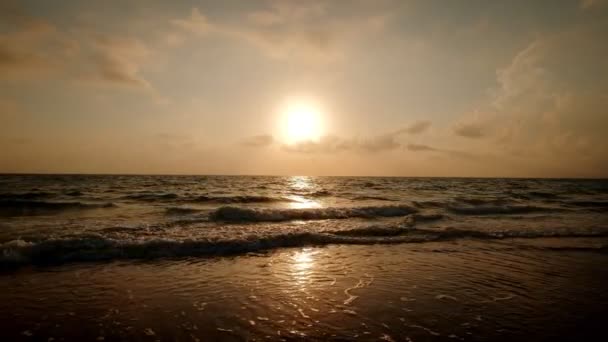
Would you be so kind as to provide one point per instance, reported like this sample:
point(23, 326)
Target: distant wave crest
point(24, 196)
point(373, 198)
point(497, 209)
point(239, 199)
point(27, 207)
point(160, 197)
point(151, 197)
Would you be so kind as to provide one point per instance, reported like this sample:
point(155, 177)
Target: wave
point(237, 214)
point(368, 184)
point(239, 199)
point(599, 249)
point(480, 201)
point(373, 198)
point(541, 194)
point(24, 208)
point(477, 206)
point(99, 248)
point(320, 193)
point(313, 194)
point(462, 201)
point(10, 196)
point(591, 204)
point(151, 197)
point(180, 210)
point(497, 209)
point(160, 197)
point(429, 204)
point(427, 217)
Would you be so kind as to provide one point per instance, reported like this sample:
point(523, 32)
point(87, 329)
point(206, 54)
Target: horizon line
point(277, 175)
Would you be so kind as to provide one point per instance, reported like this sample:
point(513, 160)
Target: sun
point(302, 121)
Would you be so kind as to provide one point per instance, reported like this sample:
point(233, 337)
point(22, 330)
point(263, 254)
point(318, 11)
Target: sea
point(125, 257)
point(69, 218)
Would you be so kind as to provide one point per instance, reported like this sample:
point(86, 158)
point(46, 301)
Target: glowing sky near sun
point(302, 121)
point(410, 88)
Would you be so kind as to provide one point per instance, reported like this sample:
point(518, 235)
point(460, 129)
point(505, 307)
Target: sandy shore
point(465, 290)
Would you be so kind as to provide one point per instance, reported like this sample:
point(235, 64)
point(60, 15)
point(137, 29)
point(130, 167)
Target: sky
point(402, 88)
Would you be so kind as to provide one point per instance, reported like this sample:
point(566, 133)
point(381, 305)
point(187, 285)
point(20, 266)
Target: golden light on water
point(303, 260)
point(303, 203)
point(302, 184)
point(302, 265)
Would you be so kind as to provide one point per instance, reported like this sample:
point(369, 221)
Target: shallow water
point(65, 218)
point(460, 290)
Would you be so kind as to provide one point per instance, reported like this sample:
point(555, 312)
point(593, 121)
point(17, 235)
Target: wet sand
point(462, 290)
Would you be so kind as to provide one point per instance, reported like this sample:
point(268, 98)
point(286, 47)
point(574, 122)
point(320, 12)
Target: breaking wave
point(99, 248)
point(311, 194)
point(236, 214)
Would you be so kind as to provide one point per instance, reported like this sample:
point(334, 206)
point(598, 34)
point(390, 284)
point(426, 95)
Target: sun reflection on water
point(301, 182)
point(303, 260)
point(302, 185)
point(303, 263)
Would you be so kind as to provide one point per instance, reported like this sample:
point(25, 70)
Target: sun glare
point(302, 121)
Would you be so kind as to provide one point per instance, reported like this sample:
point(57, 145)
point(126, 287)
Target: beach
point(199, 258)
point(290, 170)
point(463, 290)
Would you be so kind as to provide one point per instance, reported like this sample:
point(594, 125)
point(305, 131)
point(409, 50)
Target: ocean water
point(55, 219)
point(216, 258)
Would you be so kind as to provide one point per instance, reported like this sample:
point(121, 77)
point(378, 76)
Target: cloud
point(449, 152)
point(11, 113)
point(417, 127)
point(389, 141)
point(311, 30)
point(12, 141)
point(33, 48)
point(262, 140)
point(118, 60)
point(196, 23)
point(325, 145)
point(549, 104)
point(174, 142)
point(376, 144)
point(588, 4)
point(335, 144)
point(263, 33)
point(418, 148)
point(10, 109)
point(470, 130)
point(265, 18)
